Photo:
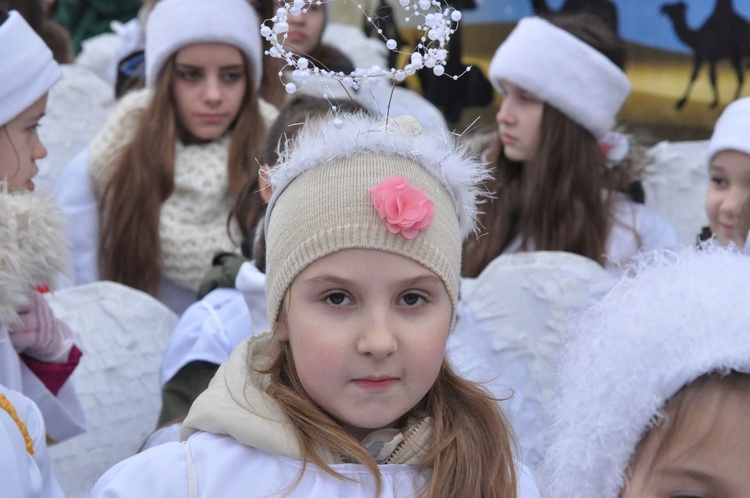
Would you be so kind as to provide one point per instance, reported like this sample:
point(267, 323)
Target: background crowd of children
point(367, 305)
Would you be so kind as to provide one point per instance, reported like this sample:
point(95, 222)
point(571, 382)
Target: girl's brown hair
point(143, 178)
point(558, 201)
point(473, 443)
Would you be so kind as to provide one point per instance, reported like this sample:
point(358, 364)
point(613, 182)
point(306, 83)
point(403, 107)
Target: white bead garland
point(431, 52)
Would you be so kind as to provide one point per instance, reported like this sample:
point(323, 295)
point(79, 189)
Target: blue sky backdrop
point(640, 21)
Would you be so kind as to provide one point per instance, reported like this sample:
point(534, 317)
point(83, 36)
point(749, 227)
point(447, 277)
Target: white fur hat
point(322, 201)
point(174, 24)
point(564, 71)
point(732, 129)
point(677, 316)
point(27, 69)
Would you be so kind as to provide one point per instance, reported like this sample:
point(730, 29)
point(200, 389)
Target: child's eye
point(188, 74)
point(719, 182)
point(529, 99)
point(34, 128)
point(232, 77)
point(337, 299)
point(413, 299)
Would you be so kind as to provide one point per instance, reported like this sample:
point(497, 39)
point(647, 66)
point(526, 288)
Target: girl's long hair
point(560, 200)
point(473, 443)
point(143, 178)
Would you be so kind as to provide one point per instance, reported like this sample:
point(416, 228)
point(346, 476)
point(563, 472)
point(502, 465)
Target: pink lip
point(727, 228)
point(295, 36)
point(211, 118)
point(30, 186)
point(508, 139)
point(377, 384)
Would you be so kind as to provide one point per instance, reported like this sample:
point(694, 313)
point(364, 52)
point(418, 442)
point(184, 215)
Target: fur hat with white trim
point(329, 185)
point(564, 71)
point(174, 24)
point(674, 317)
point(731, 130)
point(27, 69)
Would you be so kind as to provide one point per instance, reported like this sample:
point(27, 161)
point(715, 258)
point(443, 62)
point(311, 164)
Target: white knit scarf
point(192, 224)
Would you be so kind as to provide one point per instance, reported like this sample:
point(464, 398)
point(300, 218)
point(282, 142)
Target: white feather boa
point(33, 249)
point(458, 171)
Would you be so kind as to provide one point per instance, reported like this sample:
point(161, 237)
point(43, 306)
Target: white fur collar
point(33, 248)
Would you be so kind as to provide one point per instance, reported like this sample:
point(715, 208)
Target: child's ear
point(265, 187)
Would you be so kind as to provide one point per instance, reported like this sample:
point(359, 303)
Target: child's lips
point(376, 384)
point(30, 185)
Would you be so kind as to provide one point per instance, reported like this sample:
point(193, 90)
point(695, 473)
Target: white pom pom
point(456, 15)
point(391, 44)
point(438, 70)
point(290, 88)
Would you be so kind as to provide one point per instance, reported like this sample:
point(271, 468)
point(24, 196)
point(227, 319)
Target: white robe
point(23, 475)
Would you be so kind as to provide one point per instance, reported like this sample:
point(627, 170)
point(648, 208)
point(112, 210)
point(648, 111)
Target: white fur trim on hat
point(174, 24)
point(27, 69)
point(564, 71)
point(675, 317)
point(732, 130)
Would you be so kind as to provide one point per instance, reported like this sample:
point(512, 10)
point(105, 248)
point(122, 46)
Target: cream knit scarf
point(192, 225)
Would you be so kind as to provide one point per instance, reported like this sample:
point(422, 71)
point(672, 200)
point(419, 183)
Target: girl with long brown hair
point(350, 393)
point(559, 171)
point(172, 157)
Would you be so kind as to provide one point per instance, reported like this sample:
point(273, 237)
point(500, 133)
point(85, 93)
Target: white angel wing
point(675, 179)
point(512, 318)
point(122, 333)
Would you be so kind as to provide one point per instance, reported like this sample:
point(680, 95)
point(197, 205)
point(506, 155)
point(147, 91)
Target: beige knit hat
point(330, 179)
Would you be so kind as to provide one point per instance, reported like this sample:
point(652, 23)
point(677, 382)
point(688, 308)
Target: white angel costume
point(239, 443)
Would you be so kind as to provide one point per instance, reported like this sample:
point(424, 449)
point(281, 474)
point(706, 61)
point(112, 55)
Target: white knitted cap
point(321, 201)
point(174, 24)
point(27, 69)
point(732, 130)
point(676, 317)
point(564, 71)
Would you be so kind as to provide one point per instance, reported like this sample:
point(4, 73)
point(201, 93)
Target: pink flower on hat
point(405, 208)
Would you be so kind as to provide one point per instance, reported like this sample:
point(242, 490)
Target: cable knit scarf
point(192, 225)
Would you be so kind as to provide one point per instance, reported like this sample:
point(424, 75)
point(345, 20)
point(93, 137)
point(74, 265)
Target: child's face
point(519, 122)
point(20, 147)
point(305, 30)
point(706, 457)
point(367, 330)
point(730, 186)
point(209, 88)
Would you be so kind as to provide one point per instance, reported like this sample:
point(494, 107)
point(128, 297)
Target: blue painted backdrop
point(639, 20)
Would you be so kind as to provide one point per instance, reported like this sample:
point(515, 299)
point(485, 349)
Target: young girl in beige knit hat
point(350, 393)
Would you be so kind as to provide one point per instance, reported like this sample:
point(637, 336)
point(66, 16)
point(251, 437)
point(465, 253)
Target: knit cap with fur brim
point(674, 317)
point(563, 71)
point(174, 24)
point(322, 204)
point(27, 69)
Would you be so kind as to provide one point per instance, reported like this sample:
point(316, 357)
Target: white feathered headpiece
point(673, 318)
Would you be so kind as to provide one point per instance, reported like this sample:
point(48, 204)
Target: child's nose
point(377, 337)
point(39, 151)
point(212, 90)
point(505, 114)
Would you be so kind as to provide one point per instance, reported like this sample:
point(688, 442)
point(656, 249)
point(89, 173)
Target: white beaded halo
point(431, 52)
